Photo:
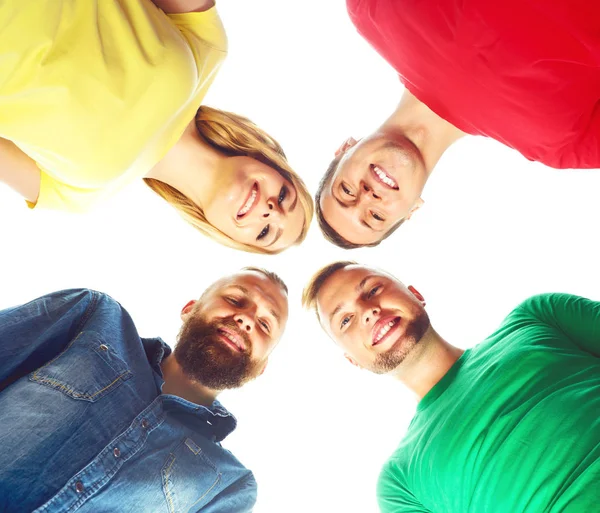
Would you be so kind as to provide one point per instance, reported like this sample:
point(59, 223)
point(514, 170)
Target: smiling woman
point(253, 201)
point(82, 121)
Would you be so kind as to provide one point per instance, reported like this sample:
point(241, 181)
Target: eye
point(265, 325)
point(345, 321)
point(346, 190)
point(263, 233)
point(233, 301)
point(373, 291)
point(282, 194)
point(377, 216)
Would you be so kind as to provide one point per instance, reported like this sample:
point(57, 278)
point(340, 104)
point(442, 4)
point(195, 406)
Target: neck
point(192, 167)
point(176, 383)
point(429, 362)
point(430, 133)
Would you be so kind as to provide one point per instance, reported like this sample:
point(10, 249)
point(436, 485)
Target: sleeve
point(201, 27)
point(576, 317)
point(57, 195)
point(34, 333)
point(393, 494)
point(238, 497)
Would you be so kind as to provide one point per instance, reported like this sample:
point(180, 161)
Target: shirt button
point(145, 424)
point(79, 488)
point(104, 347)
point(116, 452)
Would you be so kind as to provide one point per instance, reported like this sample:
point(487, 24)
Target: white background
point(494, 229)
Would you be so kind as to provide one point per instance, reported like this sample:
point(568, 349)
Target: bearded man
point(96, 418)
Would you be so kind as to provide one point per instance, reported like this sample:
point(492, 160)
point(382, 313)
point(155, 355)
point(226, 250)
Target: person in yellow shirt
point(97, 94)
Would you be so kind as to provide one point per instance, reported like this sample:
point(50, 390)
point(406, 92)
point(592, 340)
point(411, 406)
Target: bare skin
point(356, 298)
point(259, 307)
point(407, 146)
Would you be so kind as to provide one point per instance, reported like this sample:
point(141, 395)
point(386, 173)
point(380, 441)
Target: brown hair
point(310, 292)
point(235, 135)
point(274, 277)
point(328, 232)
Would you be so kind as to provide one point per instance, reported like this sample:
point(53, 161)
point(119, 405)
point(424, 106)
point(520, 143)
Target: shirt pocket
point(190, 479)
point(86, 370)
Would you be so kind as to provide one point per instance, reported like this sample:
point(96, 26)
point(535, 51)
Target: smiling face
point(255, 205)
point(228, 334)
point(377, 183)
point(376, 320)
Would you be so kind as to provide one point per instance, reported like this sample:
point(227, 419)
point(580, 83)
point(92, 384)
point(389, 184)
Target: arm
point(394, 496)
point(34, 333)
point(238, 497)
point(182, 6)
point(577, 317)
point(18, 171)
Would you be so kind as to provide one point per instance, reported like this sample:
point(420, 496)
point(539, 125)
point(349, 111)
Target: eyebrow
point(275, 239)
point(293, 205)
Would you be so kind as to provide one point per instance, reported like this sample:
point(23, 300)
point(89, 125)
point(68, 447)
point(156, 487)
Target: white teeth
point(383, 331)
point(248, 204)
point(229, 337)
point(384, 177)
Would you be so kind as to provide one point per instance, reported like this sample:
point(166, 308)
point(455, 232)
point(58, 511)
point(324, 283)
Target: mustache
point(234, 326)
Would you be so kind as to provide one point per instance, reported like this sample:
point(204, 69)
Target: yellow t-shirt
point(97, 91)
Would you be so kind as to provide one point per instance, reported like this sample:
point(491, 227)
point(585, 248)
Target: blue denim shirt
point(84, 426)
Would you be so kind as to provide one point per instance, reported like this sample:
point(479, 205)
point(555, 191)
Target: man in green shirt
point(511, 425)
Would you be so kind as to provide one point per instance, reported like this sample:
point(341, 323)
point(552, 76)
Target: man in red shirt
point(524, 72)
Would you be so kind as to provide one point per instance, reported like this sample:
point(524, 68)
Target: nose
point(370, 315)
point(245, 322)
point(367, 192)
point(272, 209)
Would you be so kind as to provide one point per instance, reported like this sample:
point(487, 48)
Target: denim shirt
point(84, 426)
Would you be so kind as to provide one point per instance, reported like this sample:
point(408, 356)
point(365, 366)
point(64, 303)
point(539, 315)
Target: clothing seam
point(217, 480)
point(84, 318)
point(168, 492)
point(70, 390)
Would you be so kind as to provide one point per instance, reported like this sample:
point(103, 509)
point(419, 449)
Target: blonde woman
point(97, 94)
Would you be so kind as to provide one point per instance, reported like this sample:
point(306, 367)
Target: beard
point(206, 359)
point(395, 355)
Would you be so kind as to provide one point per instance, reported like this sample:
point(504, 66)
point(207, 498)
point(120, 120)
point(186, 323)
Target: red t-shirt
point(525, 72)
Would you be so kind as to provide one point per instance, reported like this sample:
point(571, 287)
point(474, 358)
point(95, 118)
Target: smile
point(382, 177)
point(383, 329)
point(250, 202)
point(232, 339)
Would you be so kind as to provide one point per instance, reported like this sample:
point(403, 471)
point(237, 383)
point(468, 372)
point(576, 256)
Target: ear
point(418, 204)
point(352, 360)
point(346, 145)
point(187, 308)
point(417, 294)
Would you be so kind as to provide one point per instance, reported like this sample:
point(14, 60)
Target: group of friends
point(96, 94)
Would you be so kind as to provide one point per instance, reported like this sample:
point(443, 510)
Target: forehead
point(256, 285)
point(344, 285)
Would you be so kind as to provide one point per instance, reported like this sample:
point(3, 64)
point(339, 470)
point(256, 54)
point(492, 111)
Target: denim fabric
point(84, 426)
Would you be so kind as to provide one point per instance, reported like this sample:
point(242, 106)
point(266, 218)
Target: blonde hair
point(313, 287)
point(233, 136)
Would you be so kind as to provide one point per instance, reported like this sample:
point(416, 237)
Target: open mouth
point(231, 338)
point(250, 202)
point(383, 329)
point(381, 176)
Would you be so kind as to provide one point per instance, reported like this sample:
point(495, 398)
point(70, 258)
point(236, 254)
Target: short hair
point(274, 277)
point(310, 292)
point(328, 232)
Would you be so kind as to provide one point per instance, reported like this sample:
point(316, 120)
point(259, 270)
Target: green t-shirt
point(514, 426)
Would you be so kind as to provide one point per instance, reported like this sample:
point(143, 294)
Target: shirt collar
point(217, 419)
